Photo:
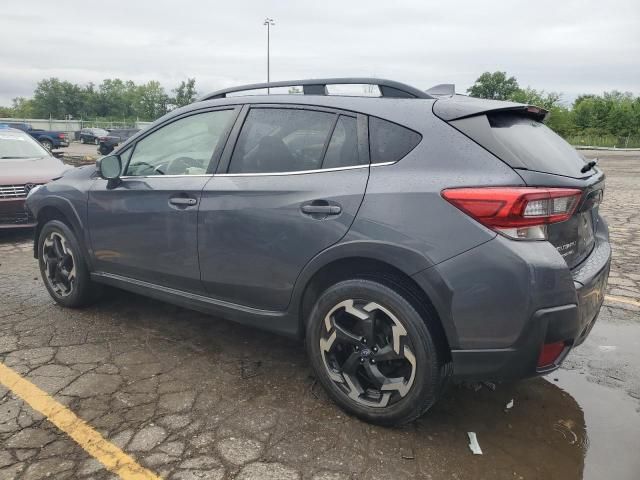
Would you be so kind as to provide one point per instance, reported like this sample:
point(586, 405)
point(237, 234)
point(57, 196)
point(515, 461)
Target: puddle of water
point(612, 427)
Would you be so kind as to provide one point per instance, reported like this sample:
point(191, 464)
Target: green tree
point(496, 86)
point(152, 101)
point(22, 107)
point(185, 93)
point(56, 98)
point(539, 98)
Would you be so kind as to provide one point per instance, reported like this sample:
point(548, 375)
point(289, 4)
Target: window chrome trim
point(383, 164)
point(125, 177)
point(264, 174)
point(297, 172)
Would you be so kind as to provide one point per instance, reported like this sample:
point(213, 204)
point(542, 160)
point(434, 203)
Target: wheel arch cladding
point(58, 211)
point(351, 267)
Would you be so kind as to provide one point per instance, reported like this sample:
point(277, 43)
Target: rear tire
point(82, 140)
point(373, 352)
point(63, 268)
point(47, 145)
point(96, 141)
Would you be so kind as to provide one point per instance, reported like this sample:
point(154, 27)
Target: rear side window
point(281, 140)
point(389, 142)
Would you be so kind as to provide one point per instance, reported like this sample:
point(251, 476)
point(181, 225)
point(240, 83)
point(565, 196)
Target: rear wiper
point(589, 165)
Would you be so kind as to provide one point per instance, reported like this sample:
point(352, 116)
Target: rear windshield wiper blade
point(589, 165)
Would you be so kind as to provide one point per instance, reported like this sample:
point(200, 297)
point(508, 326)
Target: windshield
point(19, 145)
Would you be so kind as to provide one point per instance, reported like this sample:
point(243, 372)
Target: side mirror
point(110, 167)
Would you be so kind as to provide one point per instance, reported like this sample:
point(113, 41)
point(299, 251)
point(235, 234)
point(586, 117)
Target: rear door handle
point(183, 201)
point(321, 209)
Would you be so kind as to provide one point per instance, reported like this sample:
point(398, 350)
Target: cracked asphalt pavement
point(196, 397)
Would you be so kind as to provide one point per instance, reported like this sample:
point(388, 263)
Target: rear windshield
point(536, 145)
point(523, 142)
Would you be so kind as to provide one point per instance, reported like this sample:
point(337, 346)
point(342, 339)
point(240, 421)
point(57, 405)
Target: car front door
point(145, 226)
point(289, 188)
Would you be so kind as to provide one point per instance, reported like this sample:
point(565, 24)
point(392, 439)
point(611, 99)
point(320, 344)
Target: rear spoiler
point(461, 106)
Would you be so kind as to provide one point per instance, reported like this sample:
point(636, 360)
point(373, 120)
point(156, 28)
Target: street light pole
point(269, 23)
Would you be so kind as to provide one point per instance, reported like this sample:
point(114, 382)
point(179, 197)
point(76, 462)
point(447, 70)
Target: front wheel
point(373, 352)
point(82, 140)
point(96, 141)
point(62, 266)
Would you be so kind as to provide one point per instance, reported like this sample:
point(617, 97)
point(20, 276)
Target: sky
point(567, 46)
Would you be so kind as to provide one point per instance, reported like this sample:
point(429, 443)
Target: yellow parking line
point(112, 457)
point(622, 300)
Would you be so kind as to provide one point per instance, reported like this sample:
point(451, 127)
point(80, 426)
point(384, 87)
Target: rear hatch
point(515, 134)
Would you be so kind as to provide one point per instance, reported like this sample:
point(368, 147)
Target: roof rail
point(318, 86)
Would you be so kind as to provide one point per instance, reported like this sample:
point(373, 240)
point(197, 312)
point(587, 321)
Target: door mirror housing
point(110, 167)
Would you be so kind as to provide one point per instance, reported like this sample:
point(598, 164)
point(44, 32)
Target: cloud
point(569, 46)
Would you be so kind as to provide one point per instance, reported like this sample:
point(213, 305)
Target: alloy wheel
point(59, 264)
point(367, 353)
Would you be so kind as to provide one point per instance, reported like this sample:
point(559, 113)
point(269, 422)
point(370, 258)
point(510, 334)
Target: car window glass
point(343, 147)
point(389, 142)
point(281, 140)
point(183, 147)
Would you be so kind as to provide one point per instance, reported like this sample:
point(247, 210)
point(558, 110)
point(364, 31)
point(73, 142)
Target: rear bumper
point(539, 301)
point(569, 324)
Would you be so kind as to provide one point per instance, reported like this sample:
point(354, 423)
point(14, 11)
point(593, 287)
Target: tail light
point(520, 213)
point(62, 135)
point(550, 353)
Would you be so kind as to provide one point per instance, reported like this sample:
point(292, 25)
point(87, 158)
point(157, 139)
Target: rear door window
point(343, 147)
point(281, 140)
point(389, 142)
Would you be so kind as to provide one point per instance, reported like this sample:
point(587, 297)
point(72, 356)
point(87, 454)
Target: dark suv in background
point(408, 239)
point(114, 138)
point(92, 135)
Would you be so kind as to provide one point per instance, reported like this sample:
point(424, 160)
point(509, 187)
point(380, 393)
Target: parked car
point(24, 164)
point(50, 139)
point(92, 135)
point(115, 138)
point(411, 239)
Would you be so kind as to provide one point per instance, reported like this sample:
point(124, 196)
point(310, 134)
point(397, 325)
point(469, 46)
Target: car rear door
point(145, 226)
point(289, 185)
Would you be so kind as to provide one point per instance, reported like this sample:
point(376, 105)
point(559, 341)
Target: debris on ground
point(407, 454)
point(473, 443)
point(509, 405)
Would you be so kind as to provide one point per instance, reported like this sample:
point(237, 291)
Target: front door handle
point(183, 201)
point(322, 209)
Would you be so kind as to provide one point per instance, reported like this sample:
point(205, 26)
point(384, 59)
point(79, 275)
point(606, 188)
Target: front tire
point(96, 141)
point(82, 140)
point(373, 352)
point(62, 266)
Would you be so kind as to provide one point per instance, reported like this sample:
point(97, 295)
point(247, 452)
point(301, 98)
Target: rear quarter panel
point(403, 203)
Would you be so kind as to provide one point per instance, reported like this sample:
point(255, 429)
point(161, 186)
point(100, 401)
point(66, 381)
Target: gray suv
point(409, 239)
